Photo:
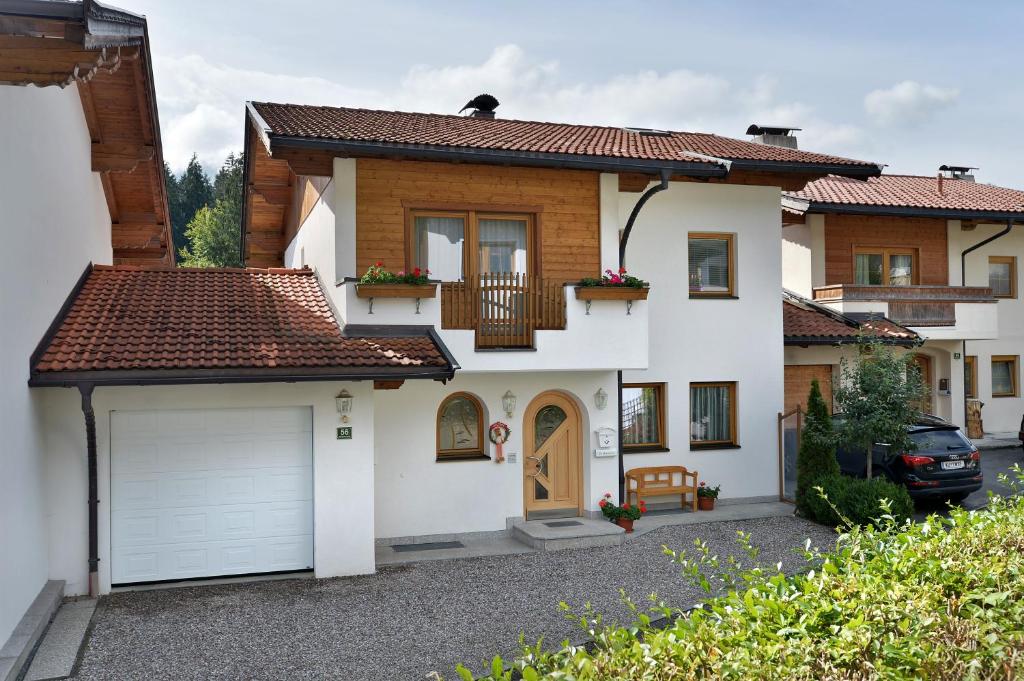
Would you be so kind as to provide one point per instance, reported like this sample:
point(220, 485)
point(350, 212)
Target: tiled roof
point(128, 318)
point(805, 321)
point(911, 191)
point(397, 127)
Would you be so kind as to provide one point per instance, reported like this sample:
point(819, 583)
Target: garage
point(210, 492)
point(798, 384)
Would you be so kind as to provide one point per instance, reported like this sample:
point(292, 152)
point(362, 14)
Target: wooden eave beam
point(277, 194)
point(119, 157)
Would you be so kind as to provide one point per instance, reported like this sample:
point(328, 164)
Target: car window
point(941, 440)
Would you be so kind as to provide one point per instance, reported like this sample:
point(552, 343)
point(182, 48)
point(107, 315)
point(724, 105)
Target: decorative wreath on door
point(498, 434)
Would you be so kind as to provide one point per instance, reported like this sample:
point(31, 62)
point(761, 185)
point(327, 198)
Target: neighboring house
point(936, 254)
point(81, 180)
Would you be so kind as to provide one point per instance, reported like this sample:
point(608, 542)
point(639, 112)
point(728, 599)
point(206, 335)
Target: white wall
point(54, 220)
point(796, 259)
point(1000, 414)
point(342, 469)
point(714, 340)
point(417, 495)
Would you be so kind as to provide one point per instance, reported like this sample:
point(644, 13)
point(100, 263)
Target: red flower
point(416, 272)
point(625, 506)
point(622, 270)
point(602, 503)
point(380, 264)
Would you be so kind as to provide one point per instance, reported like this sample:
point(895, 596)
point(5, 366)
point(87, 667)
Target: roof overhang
point(804, 206)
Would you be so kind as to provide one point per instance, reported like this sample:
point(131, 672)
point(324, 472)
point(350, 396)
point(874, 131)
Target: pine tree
point(193, 191)
point(214, 233)
point(816, 459)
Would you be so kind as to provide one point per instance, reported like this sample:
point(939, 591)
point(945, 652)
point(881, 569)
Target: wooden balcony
point(503, 308)
point(916, 306)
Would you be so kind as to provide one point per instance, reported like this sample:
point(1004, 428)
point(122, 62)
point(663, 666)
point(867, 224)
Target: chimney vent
point(482, 106)
point(958, 172)
point(774, 135)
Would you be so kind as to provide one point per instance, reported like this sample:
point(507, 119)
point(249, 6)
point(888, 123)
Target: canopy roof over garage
point(130, 325)
point(805, 322)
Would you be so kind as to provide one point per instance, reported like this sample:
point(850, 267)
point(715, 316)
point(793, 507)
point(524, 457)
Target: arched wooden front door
point(553, 461)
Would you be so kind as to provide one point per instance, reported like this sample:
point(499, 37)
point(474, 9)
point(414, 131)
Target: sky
point(909, 84)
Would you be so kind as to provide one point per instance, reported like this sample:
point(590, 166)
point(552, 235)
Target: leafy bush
point(940, 599)
point(857, 500)
point(816, 460)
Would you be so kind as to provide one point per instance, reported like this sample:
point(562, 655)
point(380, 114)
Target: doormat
point(427, 546)
point(564, 523)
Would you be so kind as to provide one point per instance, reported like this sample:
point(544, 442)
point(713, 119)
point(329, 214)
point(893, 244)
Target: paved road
point(993, 462)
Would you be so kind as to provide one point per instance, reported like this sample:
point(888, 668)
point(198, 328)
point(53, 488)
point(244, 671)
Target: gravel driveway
point(402, 622)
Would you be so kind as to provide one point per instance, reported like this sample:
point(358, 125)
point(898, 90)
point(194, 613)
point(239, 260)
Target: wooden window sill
point(641, 449)
point(713, 296)
point(696, 446)
point(463, 457)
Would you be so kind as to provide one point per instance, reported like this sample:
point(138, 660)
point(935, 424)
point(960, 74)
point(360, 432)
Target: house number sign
point(345, 432)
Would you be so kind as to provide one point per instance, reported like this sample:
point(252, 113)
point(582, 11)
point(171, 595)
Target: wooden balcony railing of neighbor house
point(910, 305)
point(504, 308)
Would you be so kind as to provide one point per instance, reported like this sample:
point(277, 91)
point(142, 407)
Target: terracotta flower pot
point(625, 523)
point(706, 503)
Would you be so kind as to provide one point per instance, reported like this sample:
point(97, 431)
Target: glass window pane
point(999, 278)
point(709, 265)
point(502, 245)
point(1002, 377)
point(901, 270)
point(438, 245)
point(868, 269)
point(969, 378)
point(640, 420)
point(711, 413)
point(459, 425)
point(546, 422)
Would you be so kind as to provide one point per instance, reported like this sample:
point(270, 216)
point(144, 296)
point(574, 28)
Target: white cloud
point(908, 102)
point(201, 103)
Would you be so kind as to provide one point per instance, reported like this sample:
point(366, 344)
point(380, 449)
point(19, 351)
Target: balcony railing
point(908, 305)
point(503, 308)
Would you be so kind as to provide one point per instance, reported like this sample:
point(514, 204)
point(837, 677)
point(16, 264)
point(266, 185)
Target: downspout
point(90, 439)
point(963, 282)
point(662, 186)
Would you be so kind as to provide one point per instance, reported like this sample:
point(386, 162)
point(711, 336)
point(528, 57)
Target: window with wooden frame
point(461, 245)
point(712, 265)
point(878, 266)
point(1004, 376)
point(970, 376)
point(460, 428)
point(643, 417)
point(1002, 275)
point(713, 415)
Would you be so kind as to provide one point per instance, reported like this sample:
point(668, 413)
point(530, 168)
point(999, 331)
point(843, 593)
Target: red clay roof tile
point(912, 191)
point(803, 320)
point(398, 127)
point(127, 317)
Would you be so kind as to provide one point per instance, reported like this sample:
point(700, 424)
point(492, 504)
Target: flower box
point(611, 293)
point(396, 290)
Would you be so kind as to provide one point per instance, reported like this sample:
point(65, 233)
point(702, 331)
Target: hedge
point(857, 500)
point(940, 599)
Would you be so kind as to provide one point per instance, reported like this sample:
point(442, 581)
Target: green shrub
point(940, 599)
point(857, 500)
point(816, 460)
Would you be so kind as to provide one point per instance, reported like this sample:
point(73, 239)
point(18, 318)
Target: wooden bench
point(662, 480)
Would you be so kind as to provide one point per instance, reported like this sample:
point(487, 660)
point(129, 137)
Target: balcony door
point(877, 266)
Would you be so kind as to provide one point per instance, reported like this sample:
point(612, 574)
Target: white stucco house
point(937, 254)
point(169, 424)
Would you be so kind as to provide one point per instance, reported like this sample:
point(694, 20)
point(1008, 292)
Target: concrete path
point(55, 658)
point(998, 441)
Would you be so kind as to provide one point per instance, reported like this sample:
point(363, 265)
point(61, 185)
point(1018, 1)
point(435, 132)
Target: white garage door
point(201, 493)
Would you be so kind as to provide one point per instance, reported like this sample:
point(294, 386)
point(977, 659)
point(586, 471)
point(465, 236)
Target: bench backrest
point(662, 477)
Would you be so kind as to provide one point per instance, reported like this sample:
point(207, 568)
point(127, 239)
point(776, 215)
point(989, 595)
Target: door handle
point(536, 472)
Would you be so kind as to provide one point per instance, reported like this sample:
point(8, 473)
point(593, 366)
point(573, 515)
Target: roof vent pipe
point(958, 172)
point(482, 106)
point(773, 135)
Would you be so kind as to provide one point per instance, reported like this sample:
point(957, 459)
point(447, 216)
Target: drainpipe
point(665, 174)
point(90, 439)
point(963, 282)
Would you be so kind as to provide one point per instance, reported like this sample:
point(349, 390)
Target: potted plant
point(624, 515)
point(378, 282)
point(706, 496)
point(613, 286)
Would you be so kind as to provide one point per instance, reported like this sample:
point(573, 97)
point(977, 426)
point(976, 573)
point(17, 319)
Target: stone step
point(568, 533)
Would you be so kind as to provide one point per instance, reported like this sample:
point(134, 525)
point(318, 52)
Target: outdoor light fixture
point(601, 398)
point(508, 402)
point(343, 402)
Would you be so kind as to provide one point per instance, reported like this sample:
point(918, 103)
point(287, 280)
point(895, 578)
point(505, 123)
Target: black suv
point(944, 463)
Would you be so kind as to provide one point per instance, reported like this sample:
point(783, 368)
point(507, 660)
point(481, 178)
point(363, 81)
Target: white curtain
point(439, 243)
point(710, 413)
point(901, 270)
point(502, 246)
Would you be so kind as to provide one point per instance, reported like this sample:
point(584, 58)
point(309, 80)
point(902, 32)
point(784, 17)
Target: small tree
point(816, 459)
point(214, 235)
point(879, 393)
